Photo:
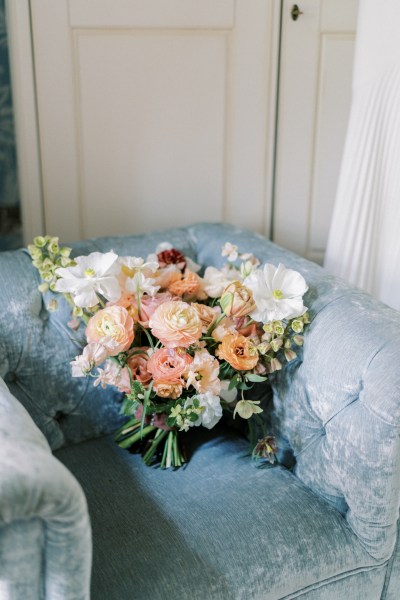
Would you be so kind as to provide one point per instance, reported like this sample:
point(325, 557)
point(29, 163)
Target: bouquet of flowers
point(180, 346)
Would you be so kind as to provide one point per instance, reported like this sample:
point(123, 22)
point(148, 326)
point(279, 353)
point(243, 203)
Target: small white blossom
point(110, 375)
point(93, 354)
point(215, 280)
point(230, 251)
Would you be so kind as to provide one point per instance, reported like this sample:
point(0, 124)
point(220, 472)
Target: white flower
point(139, 275)
point(203, 372)
point(215, 280)
point(212, 409)
point(95, 273)
point(110, 375)
point(278, 293)
point(93, 354)
point(230, 251)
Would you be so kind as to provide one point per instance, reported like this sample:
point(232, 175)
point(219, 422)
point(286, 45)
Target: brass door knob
point(295, 12)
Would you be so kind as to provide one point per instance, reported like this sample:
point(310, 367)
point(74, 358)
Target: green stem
point(214, 325)
point(136, 436)
point(158, 438)
point(169, 450)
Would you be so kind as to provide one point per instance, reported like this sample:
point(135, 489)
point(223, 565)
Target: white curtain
point(364, 239)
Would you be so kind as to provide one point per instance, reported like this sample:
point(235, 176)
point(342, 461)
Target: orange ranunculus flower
point(238, 351)
point(190, 286)
point(113, 327)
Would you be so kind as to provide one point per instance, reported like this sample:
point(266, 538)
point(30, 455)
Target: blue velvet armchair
point(80, 517)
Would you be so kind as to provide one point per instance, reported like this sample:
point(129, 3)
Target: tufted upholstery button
point(59, 416)
point(10, 377)
point(44, 315)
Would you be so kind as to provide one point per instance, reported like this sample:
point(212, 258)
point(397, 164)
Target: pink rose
point(112, 326)
point(168, 365)
point(176, 323)
point(148, 304)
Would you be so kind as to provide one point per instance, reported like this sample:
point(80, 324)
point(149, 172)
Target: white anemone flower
point(278, 293)
point(94, 274)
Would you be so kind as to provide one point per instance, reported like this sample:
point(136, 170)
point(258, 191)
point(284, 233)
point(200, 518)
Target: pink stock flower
point(113, 323)
point(175, 324)
point(168, 365)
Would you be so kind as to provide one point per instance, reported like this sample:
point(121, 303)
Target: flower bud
point(43, 288)
point(52, 305)
point(298, 340)
point(276, 344)
point(39, 241)
point(65, 251)
point(237, 300)
point(35, 252)
point(297, 326)
point(279, 329)
point(268, 327)
point(77, 311)
point(290, 355)
point(53, 246)
point(274, 365)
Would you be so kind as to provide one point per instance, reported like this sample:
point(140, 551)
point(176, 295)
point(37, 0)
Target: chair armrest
point(35, 486)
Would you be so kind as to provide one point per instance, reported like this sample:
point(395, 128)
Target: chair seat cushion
point(217, 529)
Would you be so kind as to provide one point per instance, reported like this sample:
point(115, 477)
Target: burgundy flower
point(171, 257)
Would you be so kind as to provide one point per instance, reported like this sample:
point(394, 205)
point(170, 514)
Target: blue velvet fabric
point(220, 529)
point(335, 412)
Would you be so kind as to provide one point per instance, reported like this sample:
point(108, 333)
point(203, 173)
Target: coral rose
point(114, 324)
point(238, 351)
point(168, 365)
point(138, 366)
point(176, 324)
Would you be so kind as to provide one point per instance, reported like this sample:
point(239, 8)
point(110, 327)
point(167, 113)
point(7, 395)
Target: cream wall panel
point(151, 137)
point(154, 113)
point(153, 13)
point(314, 101)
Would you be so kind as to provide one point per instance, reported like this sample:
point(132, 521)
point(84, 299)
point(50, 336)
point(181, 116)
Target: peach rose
point(168, 389)
point(238, 351)
point(168, 365)
point(190, 286)
point(176, 324)
point(138, 366)
point(112, 326)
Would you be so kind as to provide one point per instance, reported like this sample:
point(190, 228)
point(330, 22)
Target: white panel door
point(154, 114)
point(314, 102)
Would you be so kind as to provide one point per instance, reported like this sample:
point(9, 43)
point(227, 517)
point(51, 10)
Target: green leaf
point(254, 377)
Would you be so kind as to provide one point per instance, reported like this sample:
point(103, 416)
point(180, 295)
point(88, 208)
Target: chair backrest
point(337, 410)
